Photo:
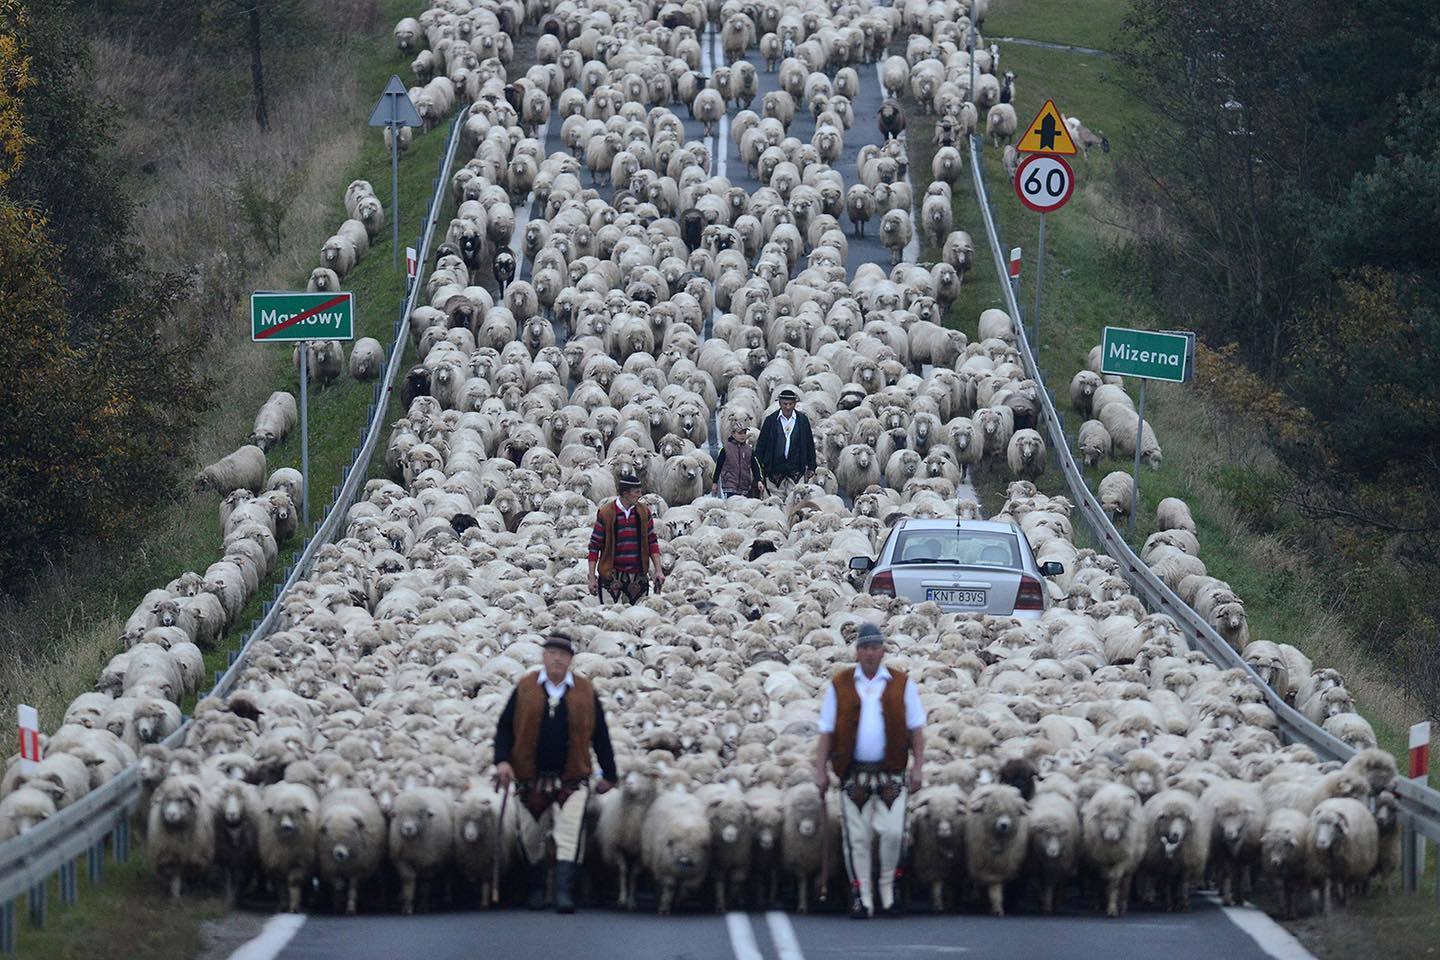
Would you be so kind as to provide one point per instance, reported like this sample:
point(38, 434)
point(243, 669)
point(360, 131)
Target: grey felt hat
point(869, 635)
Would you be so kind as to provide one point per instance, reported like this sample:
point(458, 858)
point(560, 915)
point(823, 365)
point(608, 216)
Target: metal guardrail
point(29, 861)
point(1420, 805)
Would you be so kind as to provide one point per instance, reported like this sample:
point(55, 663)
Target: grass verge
point(129, 913)
point(1088, 285)
point(55, 641)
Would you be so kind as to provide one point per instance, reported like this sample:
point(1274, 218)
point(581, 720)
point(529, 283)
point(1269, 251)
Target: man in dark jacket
point(786, 449)
point(542, 745)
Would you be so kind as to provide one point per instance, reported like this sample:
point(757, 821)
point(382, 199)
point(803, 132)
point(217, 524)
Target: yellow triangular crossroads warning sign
point(1047, 133)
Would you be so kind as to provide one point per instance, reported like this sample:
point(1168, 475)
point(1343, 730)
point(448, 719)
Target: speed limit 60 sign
point(1044, 182)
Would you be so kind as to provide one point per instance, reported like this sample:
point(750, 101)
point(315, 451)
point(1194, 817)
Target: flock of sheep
point(1090, 745)
point(1173, 553)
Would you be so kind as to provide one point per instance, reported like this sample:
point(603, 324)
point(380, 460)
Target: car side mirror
point(861, 563)
point(1052, 568)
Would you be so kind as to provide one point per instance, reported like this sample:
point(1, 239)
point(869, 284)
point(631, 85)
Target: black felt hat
point(629, 482)
point(558, 641)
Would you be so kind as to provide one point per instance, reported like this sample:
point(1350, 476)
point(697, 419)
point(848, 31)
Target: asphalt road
point(1206, 932)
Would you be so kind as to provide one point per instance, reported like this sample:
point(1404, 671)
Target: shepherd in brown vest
point(542, 745)
point(871, 721)
point(624, 553)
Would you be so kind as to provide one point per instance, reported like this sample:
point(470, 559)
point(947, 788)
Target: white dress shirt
point(553, 691)
point(624, 511)
point(870, 737)
point(787, 427)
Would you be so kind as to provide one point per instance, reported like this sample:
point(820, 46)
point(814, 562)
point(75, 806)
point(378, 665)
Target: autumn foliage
point(94, 412)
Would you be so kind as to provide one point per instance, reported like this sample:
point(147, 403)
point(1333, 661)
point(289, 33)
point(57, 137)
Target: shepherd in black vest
point(786, 448)
point(542, 745)
point(872, 725)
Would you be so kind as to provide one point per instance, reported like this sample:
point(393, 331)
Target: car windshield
point(978, 547)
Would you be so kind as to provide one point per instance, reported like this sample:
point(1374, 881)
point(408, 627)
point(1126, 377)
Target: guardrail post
point(37, 905)
point(7, 927)
point(96, 857)
point(67, 883)
point(122, 840)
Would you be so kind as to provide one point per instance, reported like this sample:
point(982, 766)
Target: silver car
point(969, 566)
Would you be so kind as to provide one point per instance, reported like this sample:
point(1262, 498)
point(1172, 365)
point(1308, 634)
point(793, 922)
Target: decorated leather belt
point(537, 795)
point(863, 779)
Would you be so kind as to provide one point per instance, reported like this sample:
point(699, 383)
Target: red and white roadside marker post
point(1015, 271)
point(1420, 773)
point(29, 739)
point(412, 264)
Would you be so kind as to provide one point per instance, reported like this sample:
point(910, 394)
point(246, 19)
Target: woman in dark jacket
point(737, 469)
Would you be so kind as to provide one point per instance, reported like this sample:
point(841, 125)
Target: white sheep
point(1000, 124)
point(937, 818)
point(180, 834)
point(675, 845)
point(802, 841)
point(1344, 847)
point(1113, 841)
point(1172, 513)
point(1026, 454)
point(421, 842)
point(244, 468)
point(996, 839)
point(24, 808)
point(1054, 839)
point(366, 359)
point(278, 415)
point(287, 839)
point(1093, 442)
point(896, 230)
point(1115, 493)
point(620, 828)
point(1236, 812)
point(349, 842)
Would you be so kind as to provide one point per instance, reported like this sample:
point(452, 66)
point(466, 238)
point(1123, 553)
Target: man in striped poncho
point(624, 553)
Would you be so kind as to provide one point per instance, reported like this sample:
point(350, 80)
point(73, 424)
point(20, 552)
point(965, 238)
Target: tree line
point(95, 405)
point(1291, 186)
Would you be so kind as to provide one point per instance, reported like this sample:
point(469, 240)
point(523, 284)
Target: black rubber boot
point(536, 875)
point(565, 886)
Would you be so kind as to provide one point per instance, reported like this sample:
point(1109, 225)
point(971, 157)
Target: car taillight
point(1031, 595)
point(882, 585)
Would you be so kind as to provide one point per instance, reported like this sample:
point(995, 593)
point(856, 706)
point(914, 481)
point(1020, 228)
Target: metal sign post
point(1043, 182)
point(1135, 470)
point(1039, 282)
point(1147, 355)
point(277, 316)
point(304, 437)
point(395, 111)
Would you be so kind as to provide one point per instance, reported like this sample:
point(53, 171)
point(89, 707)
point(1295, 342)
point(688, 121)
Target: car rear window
point(956, 546)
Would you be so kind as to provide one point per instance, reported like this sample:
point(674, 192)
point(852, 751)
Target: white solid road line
point(522, 212)
point(1272, 938)
point(278, 932)
point(783, 934)
point(742, 937)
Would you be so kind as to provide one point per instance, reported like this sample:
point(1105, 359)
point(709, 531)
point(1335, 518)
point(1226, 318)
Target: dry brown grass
point(186, 164)
point(1199, 434)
